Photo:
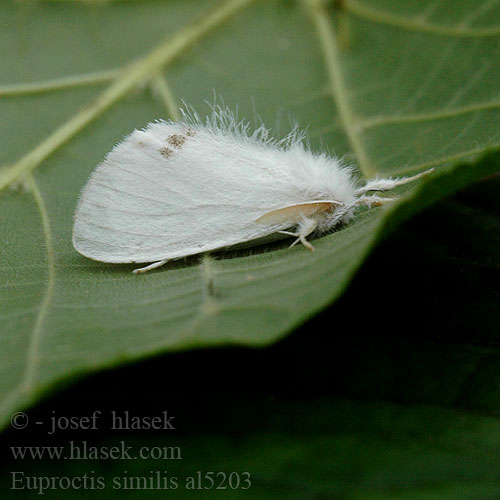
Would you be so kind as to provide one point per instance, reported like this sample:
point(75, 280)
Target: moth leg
point(305, 228)
point(154, 265)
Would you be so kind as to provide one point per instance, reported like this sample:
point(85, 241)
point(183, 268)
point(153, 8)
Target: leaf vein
point(416, 24)
point(32, 359)
point(60, 83)
point(378, 121)
point(328, 42)
point(162, 89)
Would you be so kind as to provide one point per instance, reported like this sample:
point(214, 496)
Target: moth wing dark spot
point(166, 152)
point(176, 140)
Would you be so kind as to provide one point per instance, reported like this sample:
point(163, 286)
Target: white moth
point(182, 188)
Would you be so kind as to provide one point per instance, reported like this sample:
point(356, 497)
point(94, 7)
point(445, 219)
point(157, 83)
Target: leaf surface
point(396, 87)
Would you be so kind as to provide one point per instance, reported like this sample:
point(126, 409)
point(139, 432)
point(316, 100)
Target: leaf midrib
point(328, 43)
point(128, 79)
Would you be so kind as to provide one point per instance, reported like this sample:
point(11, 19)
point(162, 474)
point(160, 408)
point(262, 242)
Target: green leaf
point(396, 86)
point(377, 411)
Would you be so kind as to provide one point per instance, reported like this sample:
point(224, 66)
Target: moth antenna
point(385, 184)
